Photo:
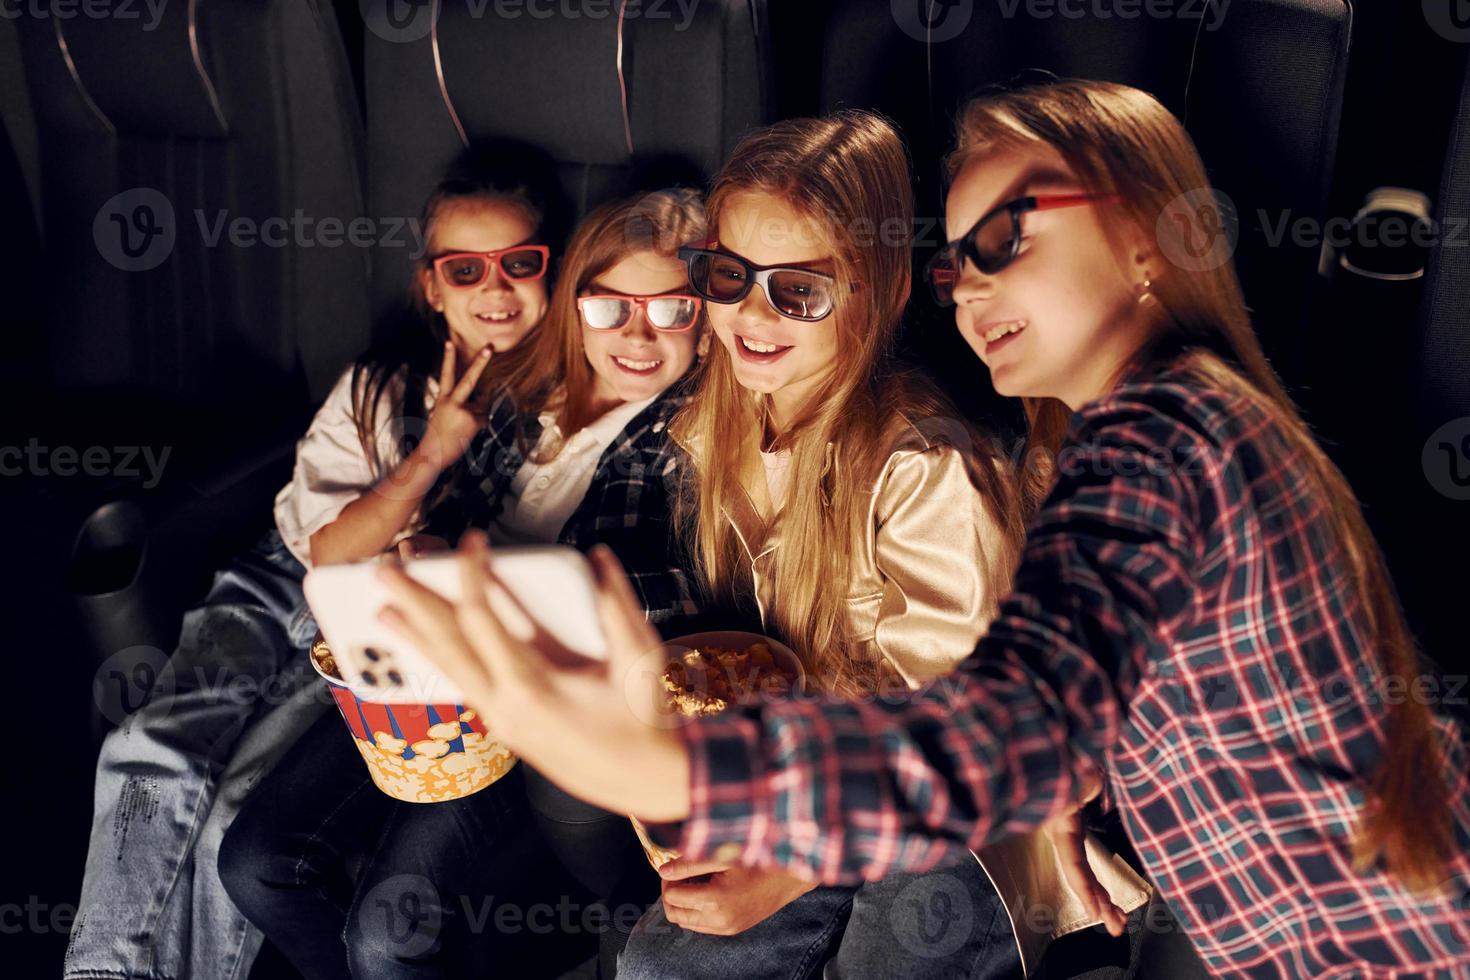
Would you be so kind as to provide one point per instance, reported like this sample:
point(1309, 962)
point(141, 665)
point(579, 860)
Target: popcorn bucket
point(702, 703)
point(418, 753)
point(657, 856)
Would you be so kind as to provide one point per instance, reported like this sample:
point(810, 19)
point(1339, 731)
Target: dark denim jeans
point(602, 852)
point(347, 881)
point(948, 924)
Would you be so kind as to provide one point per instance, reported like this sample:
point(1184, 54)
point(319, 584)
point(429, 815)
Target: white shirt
point(331, 468)
point(778, 473)
point(542, 496)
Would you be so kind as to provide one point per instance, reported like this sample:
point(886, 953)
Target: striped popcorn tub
point(418, 753)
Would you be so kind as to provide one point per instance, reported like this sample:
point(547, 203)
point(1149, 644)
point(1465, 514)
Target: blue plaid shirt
point(1183, 616)
point(628, 506)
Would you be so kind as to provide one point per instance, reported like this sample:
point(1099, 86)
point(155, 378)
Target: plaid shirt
point(1183, 617)
point(627, 507)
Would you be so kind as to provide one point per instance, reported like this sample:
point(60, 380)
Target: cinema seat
point(1259, 89)
point(653, 101)
point(183, 309)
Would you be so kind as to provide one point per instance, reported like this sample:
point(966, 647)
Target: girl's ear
point(701, 349)
point(1144, 263)
point(1142, 250)
point(429, 286)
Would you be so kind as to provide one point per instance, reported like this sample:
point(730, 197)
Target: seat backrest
point(657, 97)
point(21, 247)
point(1433, 492)
point(195, 159)
point(1259, 86)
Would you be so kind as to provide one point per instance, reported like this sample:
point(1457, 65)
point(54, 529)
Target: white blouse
point(778, 472)
point(542, 496)
point(331, 468)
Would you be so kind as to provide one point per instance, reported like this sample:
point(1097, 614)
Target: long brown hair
point(1120, 140)
point(397, 371)
point(550, 370)
point(848, 174)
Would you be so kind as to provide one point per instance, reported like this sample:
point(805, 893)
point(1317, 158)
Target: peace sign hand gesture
point(457, 415)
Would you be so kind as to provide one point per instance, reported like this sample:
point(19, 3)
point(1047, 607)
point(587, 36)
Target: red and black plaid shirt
point(1183, 616)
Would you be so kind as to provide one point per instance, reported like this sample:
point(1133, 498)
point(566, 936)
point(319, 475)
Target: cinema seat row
point(121, 133)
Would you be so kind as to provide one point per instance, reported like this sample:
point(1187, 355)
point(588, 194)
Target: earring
point(1144, 295)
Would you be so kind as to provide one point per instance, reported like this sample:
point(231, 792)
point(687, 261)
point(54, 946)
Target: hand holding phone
point(552, 584)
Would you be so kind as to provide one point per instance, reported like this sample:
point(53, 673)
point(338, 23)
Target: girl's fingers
point(680, 916)
point(424, 608)
point(399, 625)
point(423, 618)
point(504, 655)
point(635, 653)
point(689, 898)
point(681, 867)
point(1070, 841)
point(466, 386)
point(623, 621)
point(446, 369)
point(483, 627)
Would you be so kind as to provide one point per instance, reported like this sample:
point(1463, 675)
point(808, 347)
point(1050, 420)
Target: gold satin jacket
point(924, 589)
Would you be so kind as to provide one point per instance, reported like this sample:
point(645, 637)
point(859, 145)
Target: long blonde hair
point(550, 370)
point(1120, 140)
point(849, 175)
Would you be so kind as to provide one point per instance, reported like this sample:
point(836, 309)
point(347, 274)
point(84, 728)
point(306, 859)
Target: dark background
point(219, 354)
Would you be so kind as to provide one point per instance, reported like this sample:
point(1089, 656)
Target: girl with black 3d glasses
point(843, 498)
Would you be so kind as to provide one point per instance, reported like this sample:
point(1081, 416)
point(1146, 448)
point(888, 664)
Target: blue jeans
point(349, 882)
point(238, 691)
point(948, 924)
point(602, 852)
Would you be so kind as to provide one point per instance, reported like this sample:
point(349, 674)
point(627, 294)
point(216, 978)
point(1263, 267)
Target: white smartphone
point(553, 584)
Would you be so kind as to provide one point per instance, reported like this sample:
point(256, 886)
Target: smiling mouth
point(636, 367)
point(998, 335)
point(1000, 330)
point(497, 316)
point(759, 351)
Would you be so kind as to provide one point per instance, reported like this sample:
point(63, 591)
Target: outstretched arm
point(849, 792)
